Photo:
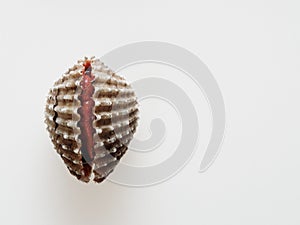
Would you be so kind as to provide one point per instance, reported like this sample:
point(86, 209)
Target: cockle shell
point(91, 116)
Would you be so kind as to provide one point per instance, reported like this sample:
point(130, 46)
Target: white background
point(251, 47)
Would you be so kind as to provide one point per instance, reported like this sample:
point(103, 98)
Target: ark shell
point(112, 120)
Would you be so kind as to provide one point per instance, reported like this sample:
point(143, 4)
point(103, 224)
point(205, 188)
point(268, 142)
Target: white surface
point(251, 47)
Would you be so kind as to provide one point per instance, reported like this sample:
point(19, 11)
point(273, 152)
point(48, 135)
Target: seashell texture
point(91, 116)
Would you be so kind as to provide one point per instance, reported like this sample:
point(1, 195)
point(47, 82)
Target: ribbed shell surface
point(114, 120)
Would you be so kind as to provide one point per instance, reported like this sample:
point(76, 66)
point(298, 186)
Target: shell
point(109, 125)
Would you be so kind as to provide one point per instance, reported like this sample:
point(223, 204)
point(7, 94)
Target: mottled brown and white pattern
point(91, 116)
